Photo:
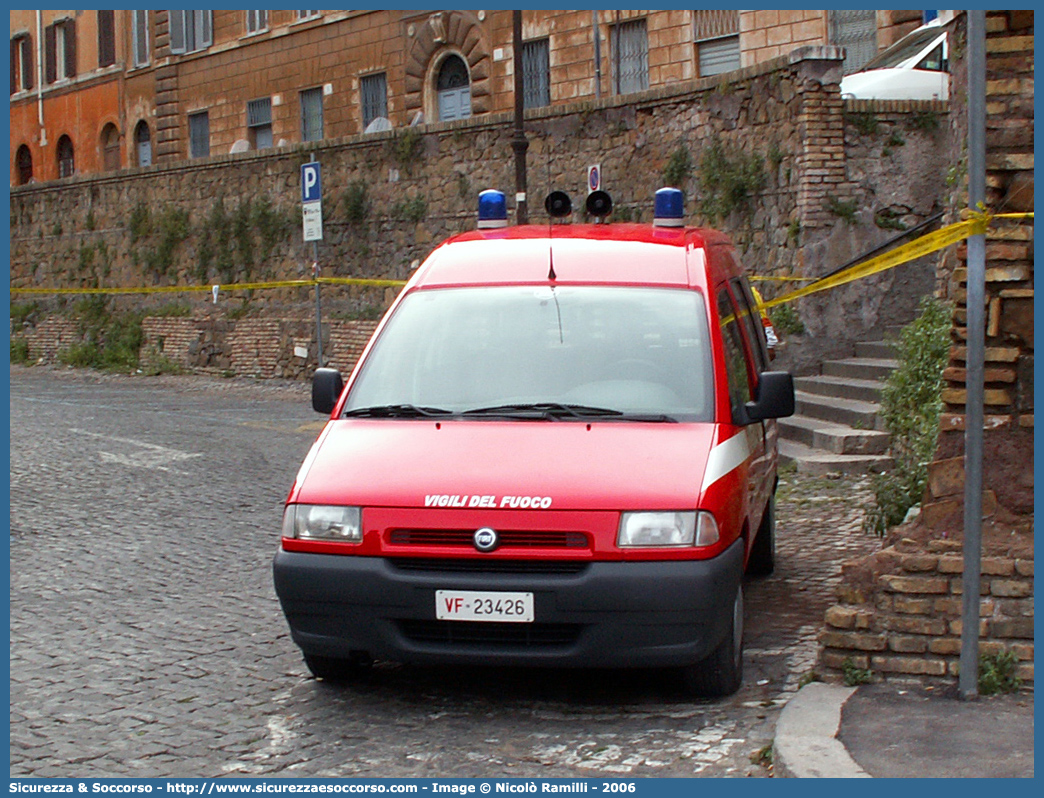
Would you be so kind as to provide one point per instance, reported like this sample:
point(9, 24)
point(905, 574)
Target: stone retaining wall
point(235, 218)
point(907, 620)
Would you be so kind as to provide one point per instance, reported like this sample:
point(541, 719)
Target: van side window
point(735, 359)
point(751, 320)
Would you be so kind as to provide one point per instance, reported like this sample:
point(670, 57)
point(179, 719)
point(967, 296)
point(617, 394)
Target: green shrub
point(911, 404)
point(854, 676)
point(413, 209)
point(678, 168)
point(785, 320)
point(997, 673)
point(19, 350)
point(843, 209)
point(111, 341)
point(356, 204)
point(729, 180)
point(21, 311)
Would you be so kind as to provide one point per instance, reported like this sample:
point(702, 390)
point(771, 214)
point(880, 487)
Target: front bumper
point(607, 614)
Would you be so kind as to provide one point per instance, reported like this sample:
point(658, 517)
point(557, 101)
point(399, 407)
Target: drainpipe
point(518, 141)
point(40, 79)
point(597, 55)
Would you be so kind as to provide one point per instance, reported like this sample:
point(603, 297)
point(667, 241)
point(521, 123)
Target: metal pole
point(518, 142)
point(968, 681)
point(318, 306)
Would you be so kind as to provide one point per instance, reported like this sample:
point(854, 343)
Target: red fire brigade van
point(558, 449)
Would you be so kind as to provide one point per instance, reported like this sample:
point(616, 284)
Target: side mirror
point(327, 386)
point(775, 396)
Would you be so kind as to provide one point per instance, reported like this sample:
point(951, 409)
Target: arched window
point(66, 164)
point(24, 165)
point(453, 86)
point(110, 140)
point(143, 144)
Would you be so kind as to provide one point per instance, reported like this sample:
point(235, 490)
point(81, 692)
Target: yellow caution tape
point(977, 224)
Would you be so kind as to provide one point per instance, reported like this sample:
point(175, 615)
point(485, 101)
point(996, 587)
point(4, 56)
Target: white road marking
point(154, 456)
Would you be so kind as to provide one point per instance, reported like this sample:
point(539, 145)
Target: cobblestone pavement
point(147, 641)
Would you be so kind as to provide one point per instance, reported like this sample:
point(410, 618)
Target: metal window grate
point(312, 115)
point(630, 56)
point(259, 112)
point(374, 93)
point(714, 24)
point(856, 31)
point(536, 74)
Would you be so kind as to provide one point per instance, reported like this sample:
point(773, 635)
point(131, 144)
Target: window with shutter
point(312, 115)
point(66, 161)
point(190, 30)
point(259, 123)
point(111, 148)
point(106, 38)
point(24, 164)
point(630, 56)
point(140, 36)
point(373, 90)
point(536, 69)
point(199, 135)
point(257, 21)
point(21, 63)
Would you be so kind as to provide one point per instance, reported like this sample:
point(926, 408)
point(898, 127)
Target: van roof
point(624, 254)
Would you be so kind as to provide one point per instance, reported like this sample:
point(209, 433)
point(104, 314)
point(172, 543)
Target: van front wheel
point(762, 560)
point(721, 673)
point(332, 669)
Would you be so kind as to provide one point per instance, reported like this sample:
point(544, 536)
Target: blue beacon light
point(492, 210)
point(668, 210)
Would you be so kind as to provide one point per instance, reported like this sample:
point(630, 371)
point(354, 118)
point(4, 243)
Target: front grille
point(489, 566)
point(508, 538)
point(481, 633)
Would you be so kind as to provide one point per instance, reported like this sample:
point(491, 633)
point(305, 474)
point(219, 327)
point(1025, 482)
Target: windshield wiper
point(396, 411)
point(558, 411)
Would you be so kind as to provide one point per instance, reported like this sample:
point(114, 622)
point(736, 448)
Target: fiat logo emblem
point(486, 539)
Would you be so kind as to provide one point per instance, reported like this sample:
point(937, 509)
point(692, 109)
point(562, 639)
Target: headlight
point(323, 522)
point(666, 529)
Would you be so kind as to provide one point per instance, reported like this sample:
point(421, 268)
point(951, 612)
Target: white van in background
point(914, 68)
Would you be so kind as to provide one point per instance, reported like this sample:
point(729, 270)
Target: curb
point(806, 744)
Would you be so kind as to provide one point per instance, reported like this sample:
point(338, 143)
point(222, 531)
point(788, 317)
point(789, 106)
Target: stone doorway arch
point(435, 39)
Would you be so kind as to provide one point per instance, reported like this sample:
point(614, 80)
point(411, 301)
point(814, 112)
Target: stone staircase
point(835, 426)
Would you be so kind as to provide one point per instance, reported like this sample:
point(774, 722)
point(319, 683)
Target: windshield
point(904, 50)
point(538, 351)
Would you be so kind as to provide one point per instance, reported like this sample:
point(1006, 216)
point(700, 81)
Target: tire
point(333, 669)
point(762, 561)
point(721, 673)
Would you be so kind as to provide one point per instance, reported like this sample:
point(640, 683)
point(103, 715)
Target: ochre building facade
point(95, 91)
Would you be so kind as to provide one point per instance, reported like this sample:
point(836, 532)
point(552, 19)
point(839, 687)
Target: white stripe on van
point(725, 458)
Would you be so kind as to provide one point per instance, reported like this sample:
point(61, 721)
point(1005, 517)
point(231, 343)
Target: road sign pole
point(310, 180)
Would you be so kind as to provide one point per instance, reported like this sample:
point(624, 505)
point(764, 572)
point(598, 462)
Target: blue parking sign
point(311, 185)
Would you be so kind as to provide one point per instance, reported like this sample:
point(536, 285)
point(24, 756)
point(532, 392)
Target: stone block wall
point(901, 613)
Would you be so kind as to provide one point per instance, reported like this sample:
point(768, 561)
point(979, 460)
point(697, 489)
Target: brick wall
point(251, 347)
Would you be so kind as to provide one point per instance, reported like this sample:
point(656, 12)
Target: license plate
point(478, 605)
